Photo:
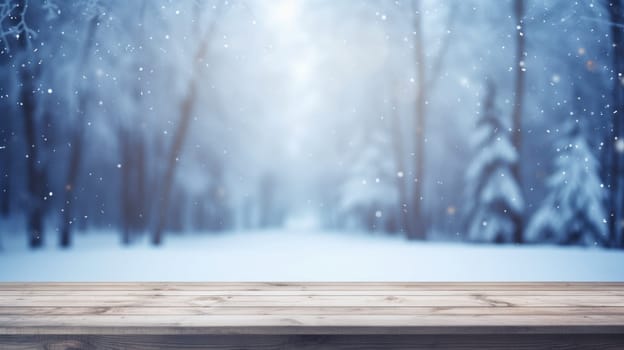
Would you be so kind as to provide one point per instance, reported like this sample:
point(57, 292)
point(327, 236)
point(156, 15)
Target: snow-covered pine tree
point(493, 197)
point(573, 211)
point(369, 194)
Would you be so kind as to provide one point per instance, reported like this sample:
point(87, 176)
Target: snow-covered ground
point(300, 256)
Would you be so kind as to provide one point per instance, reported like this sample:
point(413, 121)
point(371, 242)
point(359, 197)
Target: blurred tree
point(77, 130)
point(426, 78)
point(133, 151)
point(573, 210)
point(492, 194)
point(6, 138)
point(29, 72)
point(516, 116)
point(398, 150)
point(615, 139)
point(185, 117)
point(369, 195)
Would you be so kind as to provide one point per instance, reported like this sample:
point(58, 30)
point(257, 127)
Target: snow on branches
point(493, 196)
point(13, 22)
point(573, 211)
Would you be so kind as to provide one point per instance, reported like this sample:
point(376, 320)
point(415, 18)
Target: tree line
point(59, 59)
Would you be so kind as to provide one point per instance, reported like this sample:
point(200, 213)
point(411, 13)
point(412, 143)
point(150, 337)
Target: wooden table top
point(311, 308)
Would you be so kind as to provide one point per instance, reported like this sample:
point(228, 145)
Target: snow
point(492, 191)
point(619, 146)
point(291, 255)
point(574, 204)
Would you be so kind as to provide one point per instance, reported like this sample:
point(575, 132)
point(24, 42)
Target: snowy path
point(301, 256)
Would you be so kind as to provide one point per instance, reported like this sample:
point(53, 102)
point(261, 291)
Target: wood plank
point(394, 292)
point(342, 342)
point(474, 300)
point(363, 311)
point(322, 286)
point(100, 310)
point(275, 324)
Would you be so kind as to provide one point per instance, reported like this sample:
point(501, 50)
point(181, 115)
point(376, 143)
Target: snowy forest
point(489, 122)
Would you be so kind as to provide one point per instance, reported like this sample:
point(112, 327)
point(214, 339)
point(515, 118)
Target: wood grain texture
point(346, 342)
point(311, 315)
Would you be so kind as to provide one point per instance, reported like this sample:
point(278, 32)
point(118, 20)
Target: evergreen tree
point(369, 194)
point(573, 211)
point(492, 193)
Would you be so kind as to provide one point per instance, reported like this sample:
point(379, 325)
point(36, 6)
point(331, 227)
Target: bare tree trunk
point(34, 174)
point(399, 160)
point(616, 13)
point(132, 153)
point(5, 189)
point(180, 134)
point(140, 186)
point(516, 117)
point(70, 184)
point(76, 150)
point(425, 85)
point(267, 200)
point(417, 226)
point(5, 165)
point(126, 187)
point(172, 160)
point(6, 150)
point(132, 189)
